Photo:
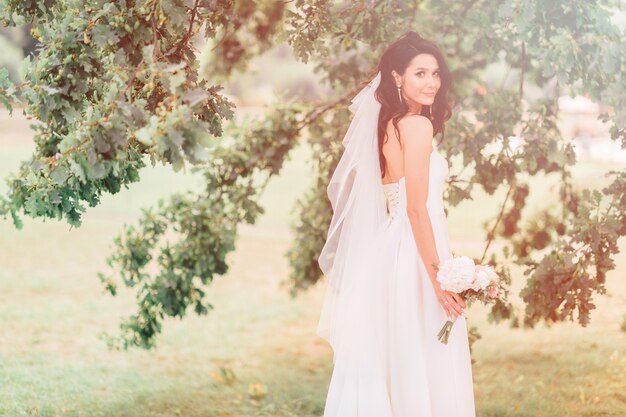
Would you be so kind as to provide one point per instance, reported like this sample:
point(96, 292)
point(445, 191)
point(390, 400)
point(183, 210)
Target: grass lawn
point(52, 309)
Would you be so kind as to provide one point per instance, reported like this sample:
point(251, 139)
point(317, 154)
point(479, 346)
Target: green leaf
point(103, 35)
point(25, 67)
point(177, 79)
point(77, 170)
point(60, 174)
point(97, 171)
point(144, 136)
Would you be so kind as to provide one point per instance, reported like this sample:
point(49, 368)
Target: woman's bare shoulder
point(415, 127)
point(411, 121)
point(415, 121)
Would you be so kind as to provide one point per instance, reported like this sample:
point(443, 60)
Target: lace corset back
point(395, 192)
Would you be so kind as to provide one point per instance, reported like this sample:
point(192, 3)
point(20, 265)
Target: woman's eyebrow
point(418, 68)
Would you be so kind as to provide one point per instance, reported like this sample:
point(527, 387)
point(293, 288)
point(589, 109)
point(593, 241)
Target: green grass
point(52, 309)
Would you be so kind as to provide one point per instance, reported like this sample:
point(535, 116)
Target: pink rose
point(493, 291)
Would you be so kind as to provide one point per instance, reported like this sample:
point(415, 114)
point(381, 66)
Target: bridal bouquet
point(472, 282)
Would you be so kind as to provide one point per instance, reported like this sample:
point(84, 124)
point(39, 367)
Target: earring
point(399, 94)
point(431, 111)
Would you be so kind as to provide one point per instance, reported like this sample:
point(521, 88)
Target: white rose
point(481, 280)
point(483, 276)
point(456, 274)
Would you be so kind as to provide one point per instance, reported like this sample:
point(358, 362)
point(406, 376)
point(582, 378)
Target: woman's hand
point(452, 303)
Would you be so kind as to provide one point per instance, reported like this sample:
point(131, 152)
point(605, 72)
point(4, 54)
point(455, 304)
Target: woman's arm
point(416, 133)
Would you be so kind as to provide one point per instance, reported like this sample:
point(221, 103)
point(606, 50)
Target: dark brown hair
point(397, 56)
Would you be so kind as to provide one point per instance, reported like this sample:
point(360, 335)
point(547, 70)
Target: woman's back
point(394, 157)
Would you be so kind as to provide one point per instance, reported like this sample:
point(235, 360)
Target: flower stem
point(444, 333)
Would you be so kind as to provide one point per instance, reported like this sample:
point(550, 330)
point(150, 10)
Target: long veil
point(350, 256)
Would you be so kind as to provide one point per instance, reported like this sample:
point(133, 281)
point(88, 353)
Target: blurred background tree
point(117, 84)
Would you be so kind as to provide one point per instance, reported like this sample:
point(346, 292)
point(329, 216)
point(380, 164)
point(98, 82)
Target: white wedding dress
point(393, 365)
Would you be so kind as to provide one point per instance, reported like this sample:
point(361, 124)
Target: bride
point(383, 306)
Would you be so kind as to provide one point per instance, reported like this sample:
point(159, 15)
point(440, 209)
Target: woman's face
point(421, 80)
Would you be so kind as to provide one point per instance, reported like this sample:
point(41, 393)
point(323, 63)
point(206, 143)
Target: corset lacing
point(391, 196)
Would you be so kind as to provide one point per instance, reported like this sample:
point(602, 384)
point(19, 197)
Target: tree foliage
point(114, 82)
